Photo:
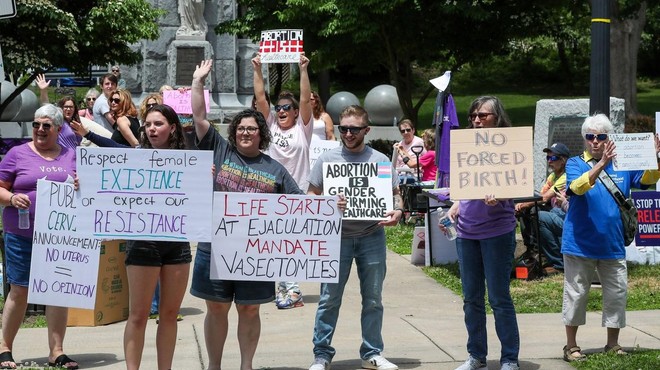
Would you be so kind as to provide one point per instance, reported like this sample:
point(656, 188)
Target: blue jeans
point(369, 254)
point(551, 227)
point(490, 260)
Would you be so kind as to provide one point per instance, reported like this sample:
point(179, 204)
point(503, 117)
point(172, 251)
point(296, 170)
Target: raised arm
point(43, 88)
point(198, 104)
point(259, 87)
point(305, 91)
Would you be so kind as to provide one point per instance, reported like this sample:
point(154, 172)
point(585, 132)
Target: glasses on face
point(115, 100)
point(482, 116)
point(285, 107)
point(45, 126)
point(91, 99)
point(68, 107)
point(599, 137)
point(115, 70)
point(150, 106)
point(552, 158)
point(404, 130)
point(352, 130)
point(249, 129)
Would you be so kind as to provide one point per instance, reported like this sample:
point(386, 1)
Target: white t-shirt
point(99, 110)
point(291, 148)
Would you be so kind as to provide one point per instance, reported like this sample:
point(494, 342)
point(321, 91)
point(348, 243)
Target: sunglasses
point(482, 116)
point(115, 70)
point(114, 100)
point(249, 129)
point(45, 126)
point(149, 106)
point(404, 130)
point(91, 99)
point(285, 107)
point(552, 158)
point(352, 130)
point(600, 137)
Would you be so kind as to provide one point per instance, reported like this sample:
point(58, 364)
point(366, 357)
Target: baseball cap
point(558, 148)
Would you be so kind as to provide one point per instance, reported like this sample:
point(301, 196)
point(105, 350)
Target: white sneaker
point(472, 364)
point(320, 364)
point(378, 362)
point(510, 366)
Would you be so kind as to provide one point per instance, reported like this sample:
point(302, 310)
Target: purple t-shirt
point(67, 137)
point(22, 167)
point(477, 220)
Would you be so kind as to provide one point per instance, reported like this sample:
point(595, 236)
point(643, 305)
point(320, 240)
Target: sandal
point(616, 349)
point(7, 357)
point(65, 362)
point(573, 354)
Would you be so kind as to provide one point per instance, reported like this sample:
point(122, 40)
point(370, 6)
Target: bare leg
point(56, 318)
point(571, 337)
point(249, 330)
point(12, 317)
point(173, 283)
point(141, 285)
point(612, 337)
point(216, 325)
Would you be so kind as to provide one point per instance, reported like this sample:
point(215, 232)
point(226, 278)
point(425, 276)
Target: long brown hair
point(176, 139)
point(125, 106)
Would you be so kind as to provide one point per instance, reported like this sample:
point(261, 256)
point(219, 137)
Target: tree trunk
point(625, 37)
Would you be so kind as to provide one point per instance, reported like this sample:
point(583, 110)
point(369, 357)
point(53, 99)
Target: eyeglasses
point(286, 107)
point(404, 130)
point(115, 100)
point(68, 107)
point(45, 126)
point(249, 129)
point(352, 130)
point(552, 158)
point(115, 70)
point(149, 106)
point(600, 137)
point(482, 116)
point(91, 99)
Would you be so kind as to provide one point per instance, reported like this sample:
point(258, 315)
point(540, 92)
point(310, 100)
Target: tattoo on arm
point(398, 201)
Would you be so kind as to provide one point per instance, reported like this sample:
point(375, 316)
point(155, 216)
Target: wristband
point(406, 159)
point(11, 200)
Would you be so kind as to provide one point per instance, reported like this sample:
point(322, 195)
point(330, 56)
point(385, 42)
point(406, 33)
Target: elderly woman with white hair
point(593, 235)
point(42, 158)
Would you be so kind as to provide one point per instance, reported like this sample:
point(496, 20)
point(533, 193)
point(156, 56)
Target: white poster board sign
point(181, 101)
point(496, 161)
point(275, 237)
point(319, 146)
point(281, 46)
point(64, 263)
point(145, 194)
point(634, 152)
point(366, 186)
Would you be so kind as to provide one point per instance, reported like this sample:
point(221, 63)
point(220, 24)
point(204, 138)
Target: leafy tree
point(74, 35)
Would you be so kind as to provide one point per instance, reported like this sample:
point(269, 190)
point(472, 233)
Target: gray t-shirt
point(99, 110)
point(350, 228)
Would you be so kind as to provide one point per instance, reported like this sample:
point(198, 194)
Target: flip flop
point(62, 360)
point(7, 357)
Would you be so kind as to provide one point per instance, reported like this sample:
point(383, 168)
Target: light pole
point(599, 82)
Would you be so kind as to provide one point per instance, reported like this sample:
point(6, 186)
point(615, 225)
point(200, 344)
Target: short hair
point(109, 76)
point(355, 111)
point(176, 139)
point(51, 112)
point(288, 95)
point(126, 106)
point(165, 88)
point(406, 122)
point(598, 122)
point(91, 92)
point(502, 119)
point(429, 139)
point(264, 131)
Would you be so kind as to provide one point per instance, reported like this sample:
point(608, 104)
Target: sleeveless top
point(318, 129)
point(119, 138)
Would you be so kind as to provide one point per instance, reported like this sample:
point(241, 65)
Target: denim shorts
point(157, 253)
point(241, 292)
point(18, 256)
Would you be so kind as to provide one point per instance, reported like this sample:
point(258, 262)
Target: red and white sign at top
point(281, 46)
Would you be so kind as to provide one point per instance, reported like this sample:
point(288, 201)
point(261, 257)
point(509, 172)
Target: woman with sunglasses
point(593, 235)
point(403, 152)
point(291, 128)
point(20, 170)
point(126, 123)
point(485, 245)
point(149, 102)
point(90, 99)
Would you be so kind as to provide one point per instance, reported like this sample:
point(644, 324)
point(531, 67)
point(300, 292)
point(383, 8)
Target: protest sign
point(648, 218)
point(281, 46)
point(634, 152)
point(181, 102)
point(145, 194)
point(64, 262)
point(366, 186)
point(275, 237)
point(319, 146)
point(496, 161)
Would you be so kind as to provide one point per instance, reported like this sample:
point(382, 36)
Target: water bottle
point(450, 228)
point(23, 218)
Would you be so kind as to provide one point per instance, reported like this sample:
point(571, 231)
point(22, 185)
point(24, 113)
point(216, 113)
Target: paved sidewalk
point(423, 329)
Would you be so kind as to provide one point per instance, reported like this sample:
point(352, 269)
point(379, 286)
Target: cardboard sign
point(64, 263)
point(634, 152)
point(496, 161)
point(275, 237)
point(145, 194)
point(366, 186)
point(181, 102)
point(281, 46)
point(648, 218)
point(319, 146)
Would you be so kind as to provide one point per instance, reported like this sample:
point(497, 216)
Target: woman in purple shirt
point(485, 245)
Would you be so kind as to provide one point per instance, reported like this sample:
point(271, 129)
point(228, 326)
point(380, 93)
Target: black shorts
point(157, 253)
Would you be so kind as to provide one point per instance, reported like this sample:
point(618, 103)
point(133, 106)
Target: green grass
point(637, 359)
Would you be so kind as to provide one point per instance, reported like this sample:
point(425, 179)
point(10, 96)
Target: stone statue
point(192, 18)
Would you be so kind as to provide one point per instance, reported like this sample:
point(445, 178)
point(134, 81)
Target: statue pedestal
point(183, 56)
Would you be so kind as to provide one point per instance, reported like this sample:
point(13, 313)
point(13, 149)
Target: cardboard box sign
point(112, 293)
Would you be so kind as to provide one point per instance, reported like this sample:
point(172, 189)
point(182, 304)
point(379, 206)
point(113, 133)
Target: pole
point(599, 83)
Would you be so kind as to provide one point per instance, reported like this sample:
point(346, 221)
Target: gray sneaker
point(510, 366)
point(472, 364)
point(320, 364)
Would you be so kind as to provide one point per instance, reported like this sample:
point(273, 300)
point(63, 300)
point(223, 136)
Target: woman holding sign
point(241, 166)
point(485, 245)
point(43, 158)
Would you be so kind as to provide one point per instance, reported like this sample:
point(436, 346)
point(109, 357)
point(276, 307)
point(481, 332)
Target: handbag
point(626, 206)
